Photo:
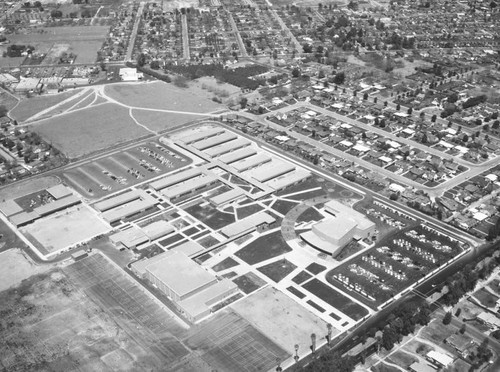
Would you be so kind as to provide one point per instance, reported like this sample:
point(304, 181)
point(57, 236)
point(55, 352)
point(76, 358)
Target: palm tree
point(313, 342)
point(329, 335)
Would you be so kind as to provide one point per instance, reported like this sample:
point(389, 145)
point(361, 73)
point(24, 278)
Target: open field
point(230, 343)
point(125, 168)
point(64, 229)
point(210, 216)
point(160, 95)
point(61, 328)
point(249, 282)
point(277, 270)
point(89, 130)
point(31, 106)
point(160, 121)
point(27, 187)
point(16, 267)
point(280, 318)
point(84, 41)
point(8, 238)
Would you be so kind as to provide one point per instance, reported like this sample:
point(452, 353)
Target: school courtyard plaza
point(232, 236)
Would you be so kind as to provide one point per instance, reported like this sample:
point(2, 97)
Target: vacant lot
point(160, 95)
point(16, 267)
point(281, 319)
point(84, 41)
point(27, 187)
point(31, 106)
point(158, 121)
point(89, 130)
point(64, 229)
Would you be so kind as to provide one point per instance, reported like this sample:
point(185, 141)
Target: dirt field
point(28, 187)
point(64, 229)
point(89, 130)
point(160, 95)
point(31, 106)
point(159, 121)
point(16, 267)
point(281, 319)
point(55, 326)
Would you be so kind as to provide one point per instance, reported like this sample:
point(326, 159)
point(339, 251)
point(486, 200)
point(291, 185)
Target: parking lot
point(124, 169)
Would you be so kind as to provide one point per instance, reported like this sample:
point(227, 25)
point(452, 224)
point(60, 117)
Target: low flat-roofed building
point(248, 224)
point(176, 178)
point(489, 319)
point(79, 255)
point(331, 234)
point(288, 179)
point(461, 343)
point(197, 307)
point(214, 141)
point(237, 155)
point(59, 191)
point(118, 200)
point(227, 197)
point(189, 248)
point(250, 162)
point(24, 218)
point(129, 209)
point(130, 74)
point(129, 238)
point(421, 367)
point(158, 229)
point(439, 359)
point(271, 170)
point(10, 208)
point(179, 277)
point(188, 186)
point(57, 205)
point(227, 147)
point(195, 136)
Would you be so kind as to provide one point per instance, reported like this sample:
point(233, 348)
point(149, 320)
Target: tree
point(295, 72)
point(3, 111)
point(155, 65)
point(56, 14)
point(447, 318)
point(365, 96)
point(339, 78)
point(389, 338)
point(243, 102)
point(398, 107)
point(410, 111)
point(141, 60)
point(434, 118)
point(463, 329)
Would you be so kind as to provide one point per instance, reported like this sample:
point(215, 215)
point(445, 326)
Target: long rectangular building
point(201, 135)
point(129, 209)
point(57, 205)
point(227, 147)
point(237, 155)
point(214, 141)
point(188, 186)
point(117, 200)
point(248, 224)
point(251, 162)
point(271, 170)
point(227, 197)
point(288, 179)
point(176, 178)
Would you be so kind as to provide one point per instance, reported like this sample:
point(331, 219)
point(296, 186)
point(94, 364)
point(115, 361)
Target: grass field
point(210, 216)
point(335, 299)
point(84, 41)
point(31, 106)
point(228, 342)
point(486, 298)
point(225, 264)
point(160, 95)
point(280, 318)
point(264, 248)
point(27, 187)
point(64, 229)
point(159, 121)
point(249, 282)
point(89, 130)
point(277, 270)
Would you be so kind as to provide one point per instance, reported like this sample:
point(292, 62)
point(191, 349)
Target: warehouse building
point(227, 147)
point(192, 289)
point(214, 141)
point(270, 170)
point(251, 162)
point(201, 135)
point(188, 187)
point(176, 178)
point(343, 225)
point(288, 179)
point(227, 197)
point(118, 200)
point(248, 224)
point(128, 209)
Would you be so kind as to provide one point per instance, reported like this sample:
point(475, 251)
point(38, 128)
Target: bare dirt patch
point(17, 266)
point(160, 121)
point(281, 319)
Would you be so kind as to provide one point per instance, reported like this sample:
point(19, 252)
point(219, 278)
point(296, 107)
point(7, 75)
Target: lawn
point(402, 359)
point(90, 130)
point(335, 299)
point(264, 248)
point(301, 277)
point(315, 268)
point(249, 282)
point(160, 95)
point(277, 270)
point(248, 210)
point(283, 206)
point(158, 121)
point(27, 187)
point(495, 286)
point(210, 216)
point(225, 264)
point(31, 106)
point(311, 214)
point(486, 298)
